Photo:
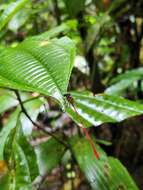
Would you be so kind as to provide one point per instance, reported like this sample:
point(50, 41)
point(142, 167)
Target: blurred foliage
point(40, 145)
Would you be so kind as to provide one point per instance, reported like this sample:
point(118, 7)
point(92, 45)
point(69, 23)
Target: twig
point(36, 124)
point(31, 99)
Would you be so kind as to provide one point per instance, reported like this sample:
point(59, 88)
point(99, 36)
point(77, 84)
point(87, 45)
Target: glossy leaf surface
point(102, 108)
point(38, 65)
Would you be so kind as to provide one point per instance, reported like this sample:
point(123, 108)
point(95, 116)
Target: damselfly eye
point(69, 97)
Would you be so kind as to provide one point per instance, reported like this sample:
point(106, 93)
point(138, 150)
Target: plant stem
point(34, 123)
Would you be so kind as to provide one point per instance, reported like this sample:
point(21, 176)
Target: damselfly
point(70, 99)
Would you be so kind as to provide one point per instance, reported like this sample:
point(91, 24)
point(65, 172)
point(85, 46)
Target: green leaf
point(21, 159)
point(10, 11)
point(19, 20)
point(39, 66)
point(103, 22)
point(7, 100)
point(28, 151)
point(54, 32)
point(125, 80)
point(105, 174)
point(102, 108)
point(6, 131)
point(49, 155)
point(22, 172)
point(32, 108)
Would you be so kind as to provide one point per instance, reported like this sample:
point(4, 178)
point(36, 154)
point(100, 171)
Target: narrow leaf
point(21, 159)
point(28, 151)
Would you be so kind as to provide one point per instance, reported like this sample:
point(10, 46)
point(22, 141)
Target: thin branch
point(31, 99)
point(36, 124)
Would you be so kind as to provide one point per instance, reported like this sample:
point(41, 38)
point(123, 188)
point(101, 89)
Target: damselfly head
point(69, 98)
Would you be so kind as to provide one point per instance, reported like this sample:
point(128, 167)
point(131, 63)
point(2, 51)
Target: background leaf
point(74, 7)
point(7, 100)
point(10, 11)
point(123, 81)
point(49, 155)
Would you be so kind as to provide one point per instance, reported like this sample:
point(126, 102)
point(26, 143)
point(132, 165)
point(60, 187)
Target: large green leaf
point(49, 155)
point(10, 11)
point(125, 80)
point(38, 65)
point(107, 173)
point(102, 108)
